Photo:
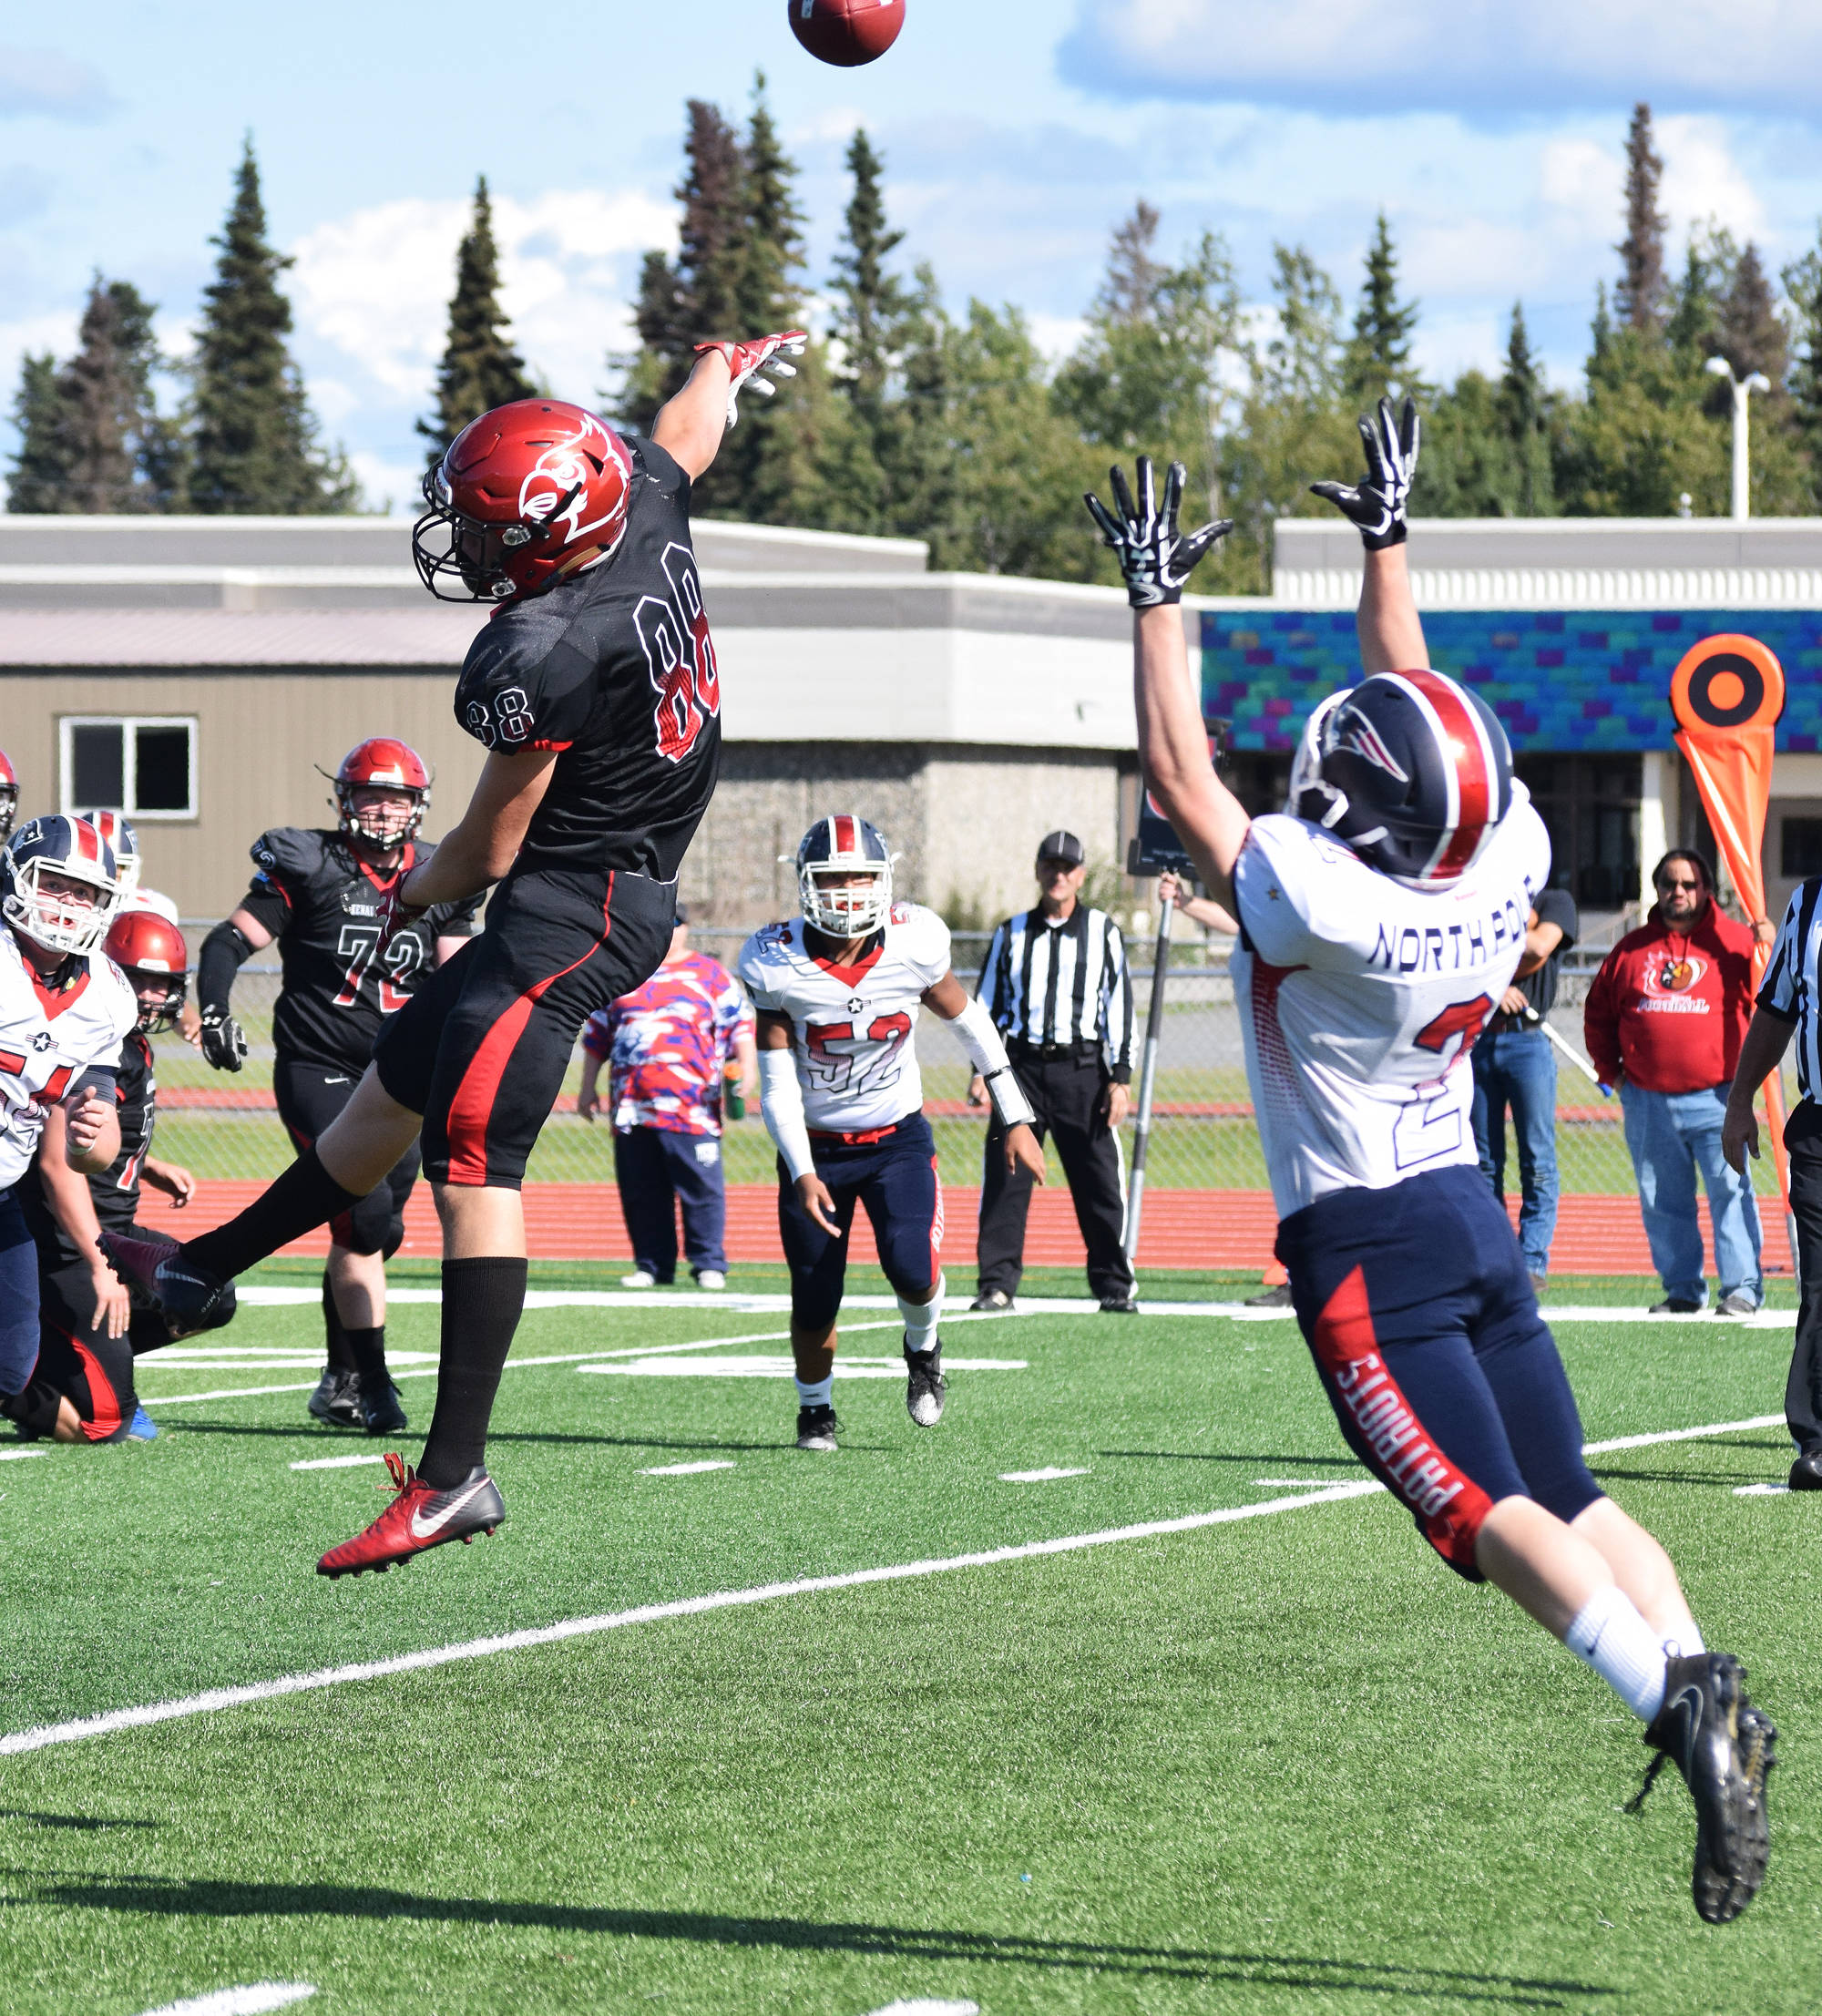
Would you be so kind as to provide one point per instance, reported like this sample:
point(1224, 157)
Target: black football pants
point(1065, 1094)
point(1802, 1390)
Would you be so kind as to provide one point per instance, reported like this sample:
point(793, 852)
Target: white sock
point(816, 1392)
point(1612, 1638)
point(922, 1318)
point(1683, 1642)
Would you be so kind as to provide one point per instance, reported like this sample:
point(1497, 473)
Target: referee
point(1056, 982)
point(1787, 1007)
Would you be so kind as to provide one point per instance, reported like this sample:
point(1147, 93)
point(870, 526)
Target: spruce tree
point(480, 368)
point(1640, 295)
point(38, 477)
point(873, 302)
point(1380, 356)
point(1752, 333)
point(255, 445)
point(693, 300)
point(99, 393)
point(1522, 408)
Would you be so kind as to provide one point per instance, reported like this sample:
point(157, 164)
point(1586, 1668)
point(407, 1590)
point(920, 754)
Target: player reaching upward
point(318, 892)
point(596, 692)
point(1381, 918)
point(838, 991)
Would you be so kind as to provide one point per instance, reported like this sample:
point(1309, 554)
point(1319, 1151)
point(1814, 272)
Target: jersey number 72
point(405, 955)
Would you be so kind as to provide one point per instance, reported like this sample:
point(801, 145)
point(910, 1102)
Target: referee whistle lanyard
point(1727, 694)
point(1148, 1079)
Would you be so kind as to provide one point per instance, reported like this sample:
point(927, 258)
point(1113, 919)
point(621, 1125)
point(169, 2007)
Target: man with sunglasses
point(1664, 1020)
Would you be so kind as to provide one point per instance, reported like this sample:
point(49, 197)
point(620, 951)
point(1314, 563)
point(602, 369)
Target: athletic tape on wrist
point(986, 1051)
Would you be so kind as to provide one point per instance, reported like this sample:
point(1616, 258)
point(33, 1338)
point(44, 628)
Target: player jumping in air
point(1381, 917)
point(838, 991)
point(596, 692)
point(318, 893)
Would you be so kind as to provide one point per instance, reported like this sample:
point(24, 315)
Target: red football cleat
point(418, 1517)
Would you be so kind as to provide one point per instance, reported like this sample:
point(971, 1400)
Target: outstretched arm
point(1156, 560)
point(1391, 636)
point(690, 428)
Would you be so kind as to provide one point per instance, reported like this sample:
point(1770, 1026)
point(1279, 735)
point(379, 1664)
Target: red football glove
point(743, 360)
point(395, 914)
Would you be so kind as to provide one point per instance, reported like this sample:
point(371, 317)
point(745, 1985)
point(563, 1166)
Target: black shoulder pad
point(290, 853)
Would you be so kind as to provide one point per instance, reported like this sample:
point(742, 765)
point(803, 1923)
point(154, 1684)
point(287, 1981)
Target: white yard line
point(18, 1455)
point(1036, 1477)
point(340, 1462)
point(49, 1735)
point(687, 1470)
point(253, 2000)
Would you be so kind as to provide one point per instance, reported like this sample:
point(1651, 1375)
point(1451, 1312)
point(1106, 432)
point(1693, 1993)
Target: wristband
point(986, 1047)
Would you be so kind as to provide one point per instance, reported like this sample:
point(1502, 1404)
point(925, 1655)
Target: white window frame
point(129, 725)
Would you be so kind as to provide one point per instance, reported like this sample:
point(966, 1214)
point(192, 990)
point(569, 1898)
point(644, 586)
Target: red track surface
point(1182, 1228)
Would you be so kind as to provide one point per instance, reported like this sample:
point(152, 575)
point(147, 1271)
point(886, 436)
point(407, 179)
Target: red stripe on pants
point(472, 1106)
point(1450, 1506)
point(104, 1403)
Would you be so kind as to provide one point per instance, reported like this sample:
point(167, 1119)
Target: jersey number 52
point(680, 655)
point(841, 1062)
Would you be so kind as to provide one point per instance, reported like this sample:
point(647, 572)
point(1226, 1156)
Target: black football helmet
point(1410, 770)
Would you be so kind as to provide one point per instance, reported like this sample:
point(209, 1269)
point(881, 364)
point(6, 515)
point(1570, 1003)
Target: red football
point(846, 32)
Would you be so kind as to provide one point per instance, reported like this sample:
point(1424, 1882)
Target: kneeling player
point(1381, 919)
point(837, 991)
point(81, 1388)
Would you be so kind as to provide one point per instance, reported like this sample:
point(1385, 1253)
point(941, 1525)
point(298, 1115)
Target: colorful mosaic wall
point(1583, 680)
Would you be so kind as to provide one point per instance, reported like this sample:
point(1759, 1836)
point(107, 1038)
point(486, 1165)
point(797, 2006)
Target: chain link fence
point(223, 1125)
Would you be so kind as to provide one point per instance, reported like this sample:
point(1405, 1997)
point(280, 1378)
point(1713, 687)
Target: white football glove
point(1377, 505)
point(767, 353)
point(1153, 556)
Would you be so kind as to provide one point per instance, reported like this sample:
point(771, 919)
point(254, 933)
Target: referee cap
point(1061, 846)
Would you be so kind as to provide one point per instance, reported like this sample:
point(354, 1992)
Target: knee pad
point(365, 1227)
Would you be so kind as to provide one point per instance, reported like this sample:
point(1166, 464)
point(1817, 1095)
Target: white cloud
point(1057, 335)
point(1481, 56)
point(375, 286)
point(48, 85)
point(386, 484)
point(1702, 180)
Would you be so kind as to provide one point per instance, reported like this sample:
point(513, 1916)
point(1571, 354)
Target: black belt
point(1081, 1052)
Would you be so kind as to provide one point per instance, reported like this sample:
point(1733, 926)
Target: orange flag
point(1727, 694)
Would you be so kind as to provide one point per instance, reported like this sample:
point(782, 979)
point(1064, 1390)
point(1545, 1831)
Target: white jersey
point(852, 1026)
point(1360, 999)
point(48, 1040)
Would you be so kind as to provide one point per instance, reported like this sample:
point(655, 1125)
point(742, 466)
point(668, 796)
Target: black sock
point(482, 1301)
point(304, 1197)
point(368, 1349)
point(335, 1338)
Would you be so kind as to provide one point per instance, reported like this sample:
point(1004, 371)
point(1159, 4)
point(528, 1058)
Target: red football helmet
point(391, 764)
point(9, 795)
point(151, 952)
point(518, 493)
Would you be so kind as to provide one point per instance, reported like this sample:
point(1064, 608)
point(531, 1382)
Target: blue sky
point(1016, 137)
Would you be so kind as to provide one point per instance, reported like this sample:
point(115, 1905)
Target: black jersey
point(614, 668)
point(320, 900)
point(115, 1189)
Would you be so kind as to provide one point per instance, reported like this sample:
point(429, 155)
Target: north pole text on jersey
point(1451, 947)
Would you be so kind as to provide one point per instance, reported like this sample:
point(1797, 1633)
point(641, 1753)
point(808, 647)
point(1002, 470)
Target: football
point(846, 32)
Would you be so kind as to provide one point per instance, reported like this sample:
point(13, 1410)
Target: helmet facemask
point(159, 1016)
point(841, 906)
point(381, 826)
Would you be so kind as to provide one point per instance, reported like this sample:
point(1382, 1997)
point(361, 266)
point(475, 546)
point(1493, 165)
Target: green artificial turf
point(1287, 1762)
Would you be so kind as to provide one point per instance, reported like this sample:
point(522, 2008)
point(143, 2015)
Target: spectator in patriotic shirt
point(667, 1046)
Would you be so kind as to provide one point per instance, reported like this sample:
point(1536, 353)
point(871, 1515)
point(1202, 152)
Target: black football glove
point(1153, 556)
point(1377, 505)
point(223, 1042)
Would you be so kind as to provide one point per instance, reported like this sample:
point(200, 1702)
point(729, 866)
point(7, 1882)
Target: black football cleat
point(1806, 1473)
point(336, 1402)
point(167, 1281)
point(381, 1410)
point(1722, 1745)
point(925, 1385)
point(817, 1428)
point(418, 1517)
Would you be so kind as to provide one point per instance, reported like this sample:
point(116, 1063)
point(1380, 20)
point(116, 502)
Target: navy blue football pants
point(18, 1296)
point(1417, 1306)
point(892, 1174)
point(654, 1164)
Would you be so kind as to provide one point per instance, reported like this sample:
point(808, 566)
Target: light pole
point(1743, 388)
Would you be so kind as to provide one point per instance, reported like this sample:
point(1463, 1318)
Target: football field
point(1121, 1690)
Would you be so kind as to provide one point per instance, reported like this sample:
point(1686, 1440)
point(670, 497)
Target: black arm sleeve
point(97, 1076)
point(224, 953)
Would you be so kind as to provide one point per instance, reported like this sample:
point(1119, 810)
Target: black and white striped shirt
point(1789, 987)
point(1062, 983)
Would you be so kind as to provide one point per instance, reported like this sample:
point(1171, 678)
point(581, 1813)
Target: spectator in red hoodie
point(1664, 1021)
